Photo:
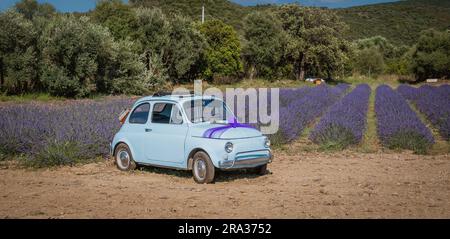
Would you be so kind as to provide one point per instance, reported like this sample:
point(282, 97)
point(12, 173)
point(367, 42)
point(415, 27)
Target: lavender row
point(32, 128)
point(346, 122)
point(290, 94)
point(296, 116)
point(408, 92)
point(434, 103)
point(398, 125)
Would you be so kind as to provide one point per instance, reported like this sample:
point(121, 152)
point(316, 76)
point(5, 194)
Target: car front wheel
point(123, 158)
point(203, 169)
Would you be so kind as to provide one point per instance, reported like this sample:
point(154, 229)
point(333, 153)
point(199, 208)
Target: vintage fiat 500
point(170, 131)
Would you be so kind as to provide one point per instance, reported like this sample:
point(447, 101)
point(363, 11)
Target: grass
point(373, 82)
point(370, 142)
point(247, 83)
point(44, 97)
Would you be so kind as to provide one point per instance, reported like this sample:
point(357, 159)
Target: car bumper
point(246, 162)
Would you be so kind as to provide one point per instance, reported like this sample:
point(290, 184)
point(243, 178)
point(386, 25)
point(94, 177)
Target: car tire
point(260, 170)
point(203, 169)
point(123, 158)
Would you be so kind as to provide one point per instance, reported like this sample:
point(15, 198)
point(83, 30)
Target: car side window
point(166, 113)
point(140, 114)
point(176, 117)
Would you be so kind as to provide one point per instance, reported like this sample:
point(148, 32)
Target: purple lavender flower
point(398, 125)
point(296, 116)
point(31, 128)
point(408, 92)
point(434, 103)
point(345, 123)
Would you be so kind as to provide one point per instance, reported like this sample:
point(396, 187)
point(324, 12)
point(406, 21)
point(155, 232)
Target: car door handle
point(148, 130)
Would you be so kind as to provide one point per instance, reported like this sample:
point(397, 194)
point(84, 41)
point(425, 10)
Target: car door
point(167, 134)
point(136, 130)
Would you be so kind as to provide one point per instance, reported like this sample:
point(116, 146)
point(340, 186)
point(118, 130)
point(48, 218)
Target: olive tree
point(80, 58)
point(152, 37)
point(31, 9)
point(263, 50)
point(431, 56)
point(314, 39)
point(369, 61)
point(18, 57)
point(118, 17)
point(174, 44)
point(223, 53)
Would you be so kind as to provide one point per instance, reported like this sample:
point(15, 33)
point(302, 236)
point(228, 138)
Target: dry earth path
point(304, 185)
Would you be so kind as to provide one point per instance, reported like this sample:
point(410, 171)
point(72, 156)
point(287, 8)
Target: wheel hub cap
point(124, 159)
point(200, 169)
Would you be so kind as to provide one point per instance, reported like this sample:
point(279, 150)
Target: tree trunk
point(2, 79)
point(149, 61)
point(252, 72)
point(301, 69)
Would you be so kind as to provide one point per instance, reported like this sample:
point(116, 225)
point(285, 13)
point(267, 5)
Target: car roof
point(175, 98)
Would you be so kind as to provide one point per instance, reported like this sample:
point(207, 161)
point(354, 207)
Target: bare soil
point(304, 185)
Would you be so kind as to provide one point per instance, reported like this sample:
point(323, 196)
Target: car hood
point(199, 130)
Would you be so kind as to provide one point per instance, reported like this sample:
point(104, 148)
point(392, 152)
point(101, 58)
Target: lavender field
point(345, 122)
point(305, 108)
point(398, 125)
point(47, 134)
point(433, 102)
point(59, 134)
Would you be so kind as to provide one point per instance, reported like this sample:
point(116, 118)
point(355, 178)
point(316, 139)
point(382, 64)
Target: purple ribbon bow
point(218, 131)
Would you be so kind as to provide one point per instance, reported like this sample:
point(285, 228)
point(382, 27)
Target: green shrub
point(409, 140)
point(336, 138)
point(369, 61)
point(56, 154)
point(431, 58)
point(3, 154)
point(59, 83)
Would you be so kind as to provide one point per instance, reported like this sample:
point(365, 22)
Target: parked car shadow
point(227, 176)
point(167, 171)
point(221, 176)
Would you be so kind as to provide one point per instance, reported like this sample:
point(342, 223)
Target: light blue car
point(168, 131)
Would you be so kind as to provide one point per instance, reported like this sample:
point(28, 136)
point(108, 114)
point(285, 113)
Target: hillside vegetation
point(118, 48)
point(399, 22)
point(226, 11)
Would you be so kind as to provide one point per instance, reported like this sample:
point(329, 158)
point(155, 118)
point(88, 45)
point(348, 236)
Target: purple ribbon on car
point(216, 132)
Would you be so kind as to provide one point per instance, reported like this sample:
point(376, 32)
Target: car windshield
point(207, 110)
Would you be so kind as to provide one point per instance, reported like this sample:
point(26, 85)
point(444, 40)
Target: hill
point(229, 12)
point(401, 22)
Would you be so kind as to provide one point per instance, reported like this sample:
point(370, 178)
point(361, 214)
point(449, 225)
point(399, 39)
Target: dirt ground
point(305, 185)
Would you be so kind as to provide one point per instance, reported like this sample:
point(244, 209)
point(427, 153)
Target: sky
point(86, 5)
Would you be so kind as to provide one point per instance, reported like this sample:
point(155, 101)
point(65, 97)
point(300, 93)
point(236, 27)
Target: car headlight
point(267, 143)
point(229, 147)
